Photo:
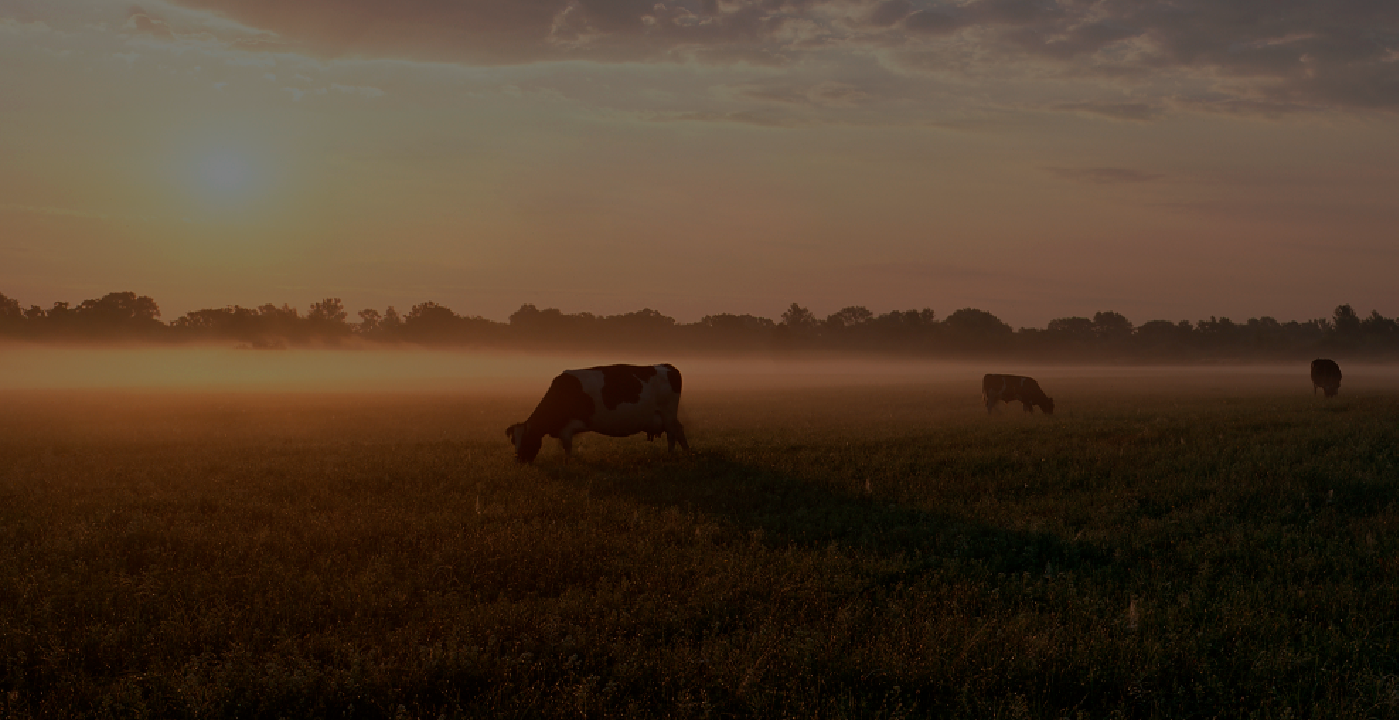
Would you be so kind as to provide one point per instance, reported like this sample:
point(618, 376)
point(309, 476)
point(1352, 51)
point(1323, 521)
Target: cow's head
point(1048, 406)
point(527, 444)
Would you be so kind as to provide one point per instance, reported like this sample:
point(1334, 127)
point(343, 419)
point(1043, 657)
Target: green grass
point(844, 552)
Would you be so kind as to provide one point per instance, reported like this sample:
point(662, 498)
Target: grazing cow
point(1015, 387)
point(616, 400)
point(1326, 375)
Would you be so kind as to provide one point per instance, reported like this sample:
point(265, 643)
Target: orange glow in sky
point(1035, 159)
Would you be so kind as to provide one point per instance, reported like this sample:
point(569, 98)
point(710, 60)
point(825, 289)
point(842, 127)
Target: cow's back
point(1326, 375)
point(629, 399)
point(1324, 369)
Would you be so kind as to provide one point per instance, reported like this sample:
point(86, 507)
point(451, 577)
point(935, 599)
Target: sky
point(1164, 159)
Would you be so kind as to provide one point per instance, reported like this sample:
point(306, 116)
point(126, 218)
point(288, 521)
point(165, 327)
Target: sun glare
point(226, 176)
point(226, 173)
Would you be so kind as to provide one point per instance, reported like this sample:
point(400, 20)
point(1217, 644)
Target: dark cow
point(616, 400)
point(1326, 375)
point(1007, 388)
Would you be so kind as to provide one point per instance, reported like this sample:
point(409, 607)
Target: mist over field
point(219, 368)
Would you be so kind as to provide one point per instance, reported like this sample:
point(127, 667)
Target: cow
point(1015, 387)
point(1326, 375)
point(613, 400)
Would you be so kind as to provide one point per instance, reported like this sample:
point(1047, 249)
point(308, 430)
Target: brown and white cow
point(1007, 388)
point(1326, 375)
point(614, 400)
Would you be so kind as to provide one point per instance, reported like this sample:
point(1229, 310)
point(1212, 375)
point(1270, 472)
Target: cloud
point(829, 93)
point(746, 117)
point(1103, 175)
point(361, 90)
point(140, 21)
point(11, 26)
point(1283, 54)
point(1117, 111)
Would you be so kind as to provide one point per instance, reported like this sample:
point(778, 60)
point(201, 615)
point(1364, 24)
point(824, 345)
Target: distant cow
point(616, 400)
point(1007, 388)
point(1326, 375)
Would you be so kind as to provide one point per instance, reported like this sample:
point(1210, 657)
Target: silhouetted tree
point(1378, 325)
point(11, 316)
point(326, 320)
point(975, 323)
point(799, 318)
point(1112, 326)
point(1164, 338)
point(1071, 328)
point(120, 307)
point(1345, 322)
point(369, 321)
point(848, 317)
point(329, 310)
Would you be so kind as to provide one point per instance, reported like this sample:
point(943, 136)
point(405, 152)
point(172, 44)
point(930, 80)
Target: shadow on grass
point(783, 510)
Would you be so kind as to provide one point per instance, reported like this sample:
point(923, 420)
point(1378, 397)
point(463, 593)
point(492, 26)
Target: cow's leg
point(566, 436)
point(990, 402)
point(675, 434)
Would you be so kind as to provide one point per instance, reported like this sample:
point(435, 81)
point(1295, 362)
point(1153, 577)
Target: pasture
point(1189, 547)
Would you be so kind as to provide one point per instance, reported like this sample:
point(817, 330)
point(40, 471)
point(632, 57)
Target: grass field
point(1183, 548)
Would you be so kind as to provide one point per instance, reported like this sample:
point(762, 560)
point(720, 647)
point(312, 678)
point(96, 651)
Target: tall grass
point(873, 552)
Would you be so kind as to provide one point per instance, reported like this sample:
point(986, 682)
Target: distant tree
point(644, 320)
point(1345, 322)
point(1165, 330)
point(906, 319)
point(977, 323)
point(1377, 324)
point(120, 307)
point(798, 317)
point(848, 317)
point(430, 322)
point(9, 309)
point(736, 324)
point(1076, 328)
point(970, 329)
point(326, 320)
point(11, 316)
point(275, 325)
point(329, 310)
point(369, 321)
point(391, 320)
point(1111, 325)
point(286, 312)
point(429, 312)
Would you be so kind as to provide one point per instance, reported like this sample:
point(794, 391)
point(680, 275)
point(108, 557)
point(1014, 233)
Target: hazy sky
point(1167, 159)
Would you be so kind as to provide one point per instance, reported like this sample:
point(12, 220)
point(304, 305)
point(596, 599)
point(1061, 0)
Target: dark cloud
point(1103, 175)
point(890, 12)
point(1287, 54)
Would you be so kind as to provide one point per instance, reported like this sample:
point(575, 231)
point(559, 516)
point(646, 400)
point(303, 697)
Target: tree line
point(1106, 337)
